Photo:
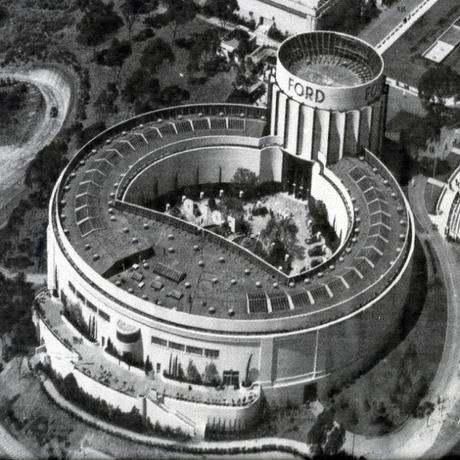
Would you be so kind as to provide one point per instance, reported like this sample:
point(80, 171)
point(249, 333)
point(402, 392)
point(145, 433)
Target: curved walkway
point(419, 438)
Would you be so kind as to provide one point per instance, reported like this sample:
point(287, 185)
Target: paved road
point(389, 20)
point(13, 162)
point(14, 159)
point(11, 448)
point(420, 438)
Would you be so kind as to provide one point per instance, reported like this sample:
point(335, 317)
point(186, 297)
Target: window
point(91, 306)
point(231, 378)
point(158, 341)
point(194, 350)
point(104, 315)
point(213, 354)
point(176, 346)
point(72, 287)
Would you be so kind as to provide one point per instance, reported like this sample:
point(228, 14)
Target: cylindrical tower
point(328, 97)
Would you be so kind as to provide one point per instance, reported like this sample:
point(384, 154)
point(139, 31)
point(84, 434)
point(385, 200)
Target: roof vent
point(196, 247)
point(125, 229)
point(201, 263)
point(247, 271)
point(113, 218)
point(258, 284)
point(96, 256)
point(231, 312)
point(233, 281)
point(215, 280)
point(146, 226)
point(211, 310)
point(275, 284)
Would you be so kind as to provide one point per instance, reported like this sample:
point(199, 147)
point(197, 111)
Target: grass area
point(432, 193)
point(404, 61)
point(382, 399)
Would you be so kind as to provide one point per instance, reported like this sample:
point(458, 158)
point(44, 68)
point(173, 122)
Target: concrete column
point(281, 123)
point(305, 144)
point(274, 109)
point(292, 131)
point(365, 126)
point(336, 137)
point(351, 132)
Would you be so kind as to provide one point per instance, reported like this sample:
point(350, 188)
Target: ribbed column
point(365, 126)
point(292, 131)
point(281, 122)
point(376, 125)
point(305, 145)
point(336, 137)
point(274, 109)
point(351, 132)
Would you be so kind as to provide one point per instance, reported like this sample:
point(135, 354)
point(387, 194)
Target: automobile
point(53, 112)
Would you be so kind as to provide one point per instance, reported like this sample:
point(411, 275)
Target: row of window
point(214, 354)
point(90, 305)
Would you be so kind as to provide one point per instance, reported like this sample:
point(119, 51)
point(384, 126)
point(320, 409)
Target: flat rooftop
point(199, 275)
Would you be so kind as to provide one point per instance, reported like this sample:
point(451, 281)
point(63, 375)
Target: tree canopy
point(222, 9)
point(142, 90)
point(98, 22)
point(438, 84)
point(156, 51)
point(180, 12)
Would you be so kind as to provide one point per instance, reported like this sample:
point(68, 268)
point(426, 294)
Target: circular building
point(328, 97)
point(138, 278)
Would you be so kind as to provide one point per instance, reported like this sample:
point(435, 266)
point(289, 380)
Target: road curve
point(56, 92)
point(420, 438)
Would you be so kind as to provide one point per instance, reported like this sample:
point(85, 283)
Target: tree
point(180, 12)
point(192, 373)
point(105, 102)
point(142, 90)
point(245, 178)
point(211, 375)
point(115, 55)
point(173, 95)
point(130, 10)
point(155, 52)
point(98, 22)
point(438, 84)
point(222, 9)
point(44, 170)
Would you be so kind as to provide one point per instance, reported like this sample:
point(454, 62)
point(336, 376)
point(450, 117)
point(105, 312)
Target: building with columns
point(288, 16)
point(218, 325)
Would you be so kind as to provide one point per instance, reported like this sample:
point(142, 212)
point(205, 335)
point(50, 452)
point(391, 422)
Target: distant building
point(288, 16)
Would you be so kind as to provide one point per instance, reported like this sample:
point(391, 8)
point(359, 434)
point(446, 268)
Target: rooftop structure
point(157, 286)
